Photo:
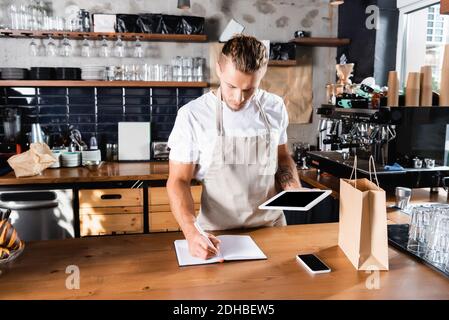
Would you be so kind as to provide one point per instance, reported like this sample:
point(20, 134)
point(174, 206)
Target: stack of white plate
point(70, 159)
point(91, 157)
point(13, 73)
point(92, 73)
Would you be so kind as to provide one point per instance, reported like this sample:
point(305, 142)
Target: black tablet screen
point(295, 199)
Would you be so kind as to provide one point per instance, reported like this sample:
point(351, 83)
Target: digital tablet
point(295, 200)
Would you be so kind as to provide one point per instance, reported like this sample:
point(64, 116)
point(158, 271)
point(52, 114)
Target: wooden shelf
point(282, 63)
point(99, 35)
point(320, 42)
point(81, 83)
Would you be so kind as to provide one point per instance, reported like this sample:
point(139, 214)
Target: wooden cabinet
point(444, 6)
point(111, 198)
point(161, 218)
point(111, 211)
point(120, 211)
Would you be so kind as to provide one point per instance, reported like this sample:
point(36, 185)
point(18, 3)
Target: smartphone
point(312, 263)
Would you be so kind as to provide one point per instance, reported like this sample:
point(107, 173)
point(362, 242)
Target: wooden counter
point(109, 171)
point(145, 267)
point(328, 181)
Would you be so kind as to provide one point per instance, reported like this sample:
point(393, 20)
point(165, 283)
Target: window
point(425, 32)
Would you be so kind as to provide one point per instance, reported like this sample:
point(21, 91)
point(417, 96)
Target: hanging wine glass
point(138, 49)
point(119, 49)
point(104, 48)
point(51, 47)
point(33, 48)
point(66, 48)
point(85, 48)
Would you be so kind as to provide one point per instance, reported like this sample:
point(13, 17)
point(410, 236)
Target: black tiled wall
point(96, 111)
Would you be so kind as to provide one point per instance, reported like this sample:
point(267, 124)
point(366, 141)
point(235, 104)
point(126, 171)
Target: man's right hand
point(200, 248)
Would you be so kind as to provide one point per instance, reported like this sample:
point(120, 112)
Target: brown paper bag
point(33, 161)
point(363, 222)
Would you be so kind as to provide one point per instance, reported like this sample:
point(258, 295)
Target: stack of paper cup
point(393, 89)
point(444, 91)
point(412, 89)
point(426, 86)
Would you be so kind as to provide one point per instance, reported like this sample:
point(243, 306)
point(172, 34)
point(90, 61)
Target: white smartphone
point(312, 263)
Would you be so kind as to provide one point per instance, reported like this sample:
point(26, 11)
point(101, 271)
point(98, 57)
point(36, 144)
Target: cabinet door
point(159, 196)
point(110, 198)
point(161, 218)
point(163, 221)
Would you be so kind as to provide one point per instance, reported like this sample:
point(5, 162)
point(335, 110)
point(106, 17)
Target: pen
point(201, 231)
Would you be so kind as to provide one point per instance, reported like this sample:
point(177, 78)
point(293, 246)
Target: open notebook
point(231, 248)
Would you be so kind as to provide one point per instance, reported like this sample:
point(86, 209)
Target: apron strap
point(265, 119)
point(219, 120)
point(219, 114)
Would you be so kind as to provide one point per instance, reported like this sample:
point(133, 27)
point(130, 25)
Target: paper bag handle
point(354, 171)
point(371, 161)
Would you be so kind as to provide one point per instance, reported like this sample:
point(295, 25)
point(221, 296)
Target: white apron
point(241, 176)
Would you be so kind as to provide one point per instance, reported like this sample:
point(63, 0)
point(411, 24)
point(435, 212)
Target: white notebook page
point(231, 248)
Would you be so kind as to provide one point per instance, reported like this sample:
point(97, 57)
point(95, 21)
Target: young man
point(234, 141)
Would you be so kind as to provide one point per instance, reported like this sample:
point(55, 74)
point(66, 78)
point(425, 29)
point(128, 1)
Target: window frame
point(406, 7)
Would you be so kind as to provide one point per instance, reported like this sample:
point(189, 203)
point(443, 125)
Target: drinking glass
point(138, 49)
point(437, 250)
point(33, 48)
point(23, 17)
point(330, 93)
point(13, 17)
point(129, 72)
point(446, 269)
point(105, 52)
point(58, 23)
point(419, 230)
point(50, 48)
point(66, 48)
point(119, 49)
point(85, 48)
point(187, 69)
point(177, 68)
point(151, 72)
point(198, 64)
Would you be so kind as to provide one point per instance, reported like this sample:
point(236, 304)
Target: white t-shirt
point(193, 136)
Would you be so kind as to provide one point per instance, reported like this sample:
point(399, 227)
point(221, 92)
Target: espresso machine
point(410, 146)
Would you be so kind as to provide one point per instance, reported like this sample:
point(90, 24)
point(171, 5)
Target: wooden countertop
point(328, 181)
point(109, 171)
point(145, 267)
